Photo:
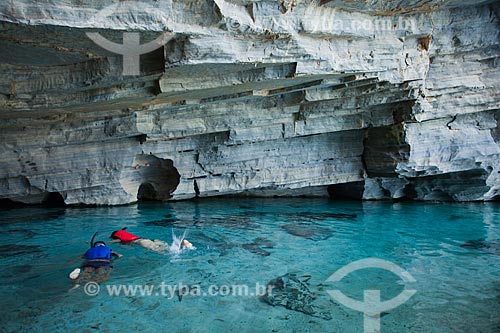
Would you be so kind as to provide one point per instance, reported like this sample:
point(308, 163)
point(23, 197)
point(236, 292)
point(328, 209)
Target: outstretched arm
point(75, 259)
point(116, 255)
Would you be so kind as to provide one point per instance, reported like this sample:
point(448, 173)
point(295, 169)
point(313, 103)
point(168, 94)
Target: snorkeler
point(97, 266)
point(154, 245)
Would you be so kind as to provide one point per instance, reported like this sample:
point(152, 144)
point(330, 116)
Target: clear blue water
point(458, 287)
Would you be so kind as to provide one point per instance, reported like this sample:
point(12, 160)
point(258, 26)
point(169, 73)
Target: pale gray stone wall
point(257, 98)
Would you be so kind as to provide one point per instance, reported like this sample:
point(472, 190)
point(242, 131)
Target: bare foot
point(74, 274)
point(186, 243)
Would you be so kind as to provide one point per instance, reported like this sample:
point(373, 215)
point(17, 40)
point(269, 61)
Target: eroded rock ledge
point(369, 100)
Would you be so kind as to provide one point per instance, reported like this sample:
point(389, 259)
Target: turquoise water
point(452, 250)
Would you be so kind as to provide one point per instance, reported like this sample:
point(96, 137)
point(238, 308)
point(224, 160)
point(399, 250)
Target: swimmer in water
point(156, 245)
point(97, 266)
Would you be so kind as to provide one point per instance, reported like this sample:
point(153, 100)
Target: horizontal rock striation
point(367, 100)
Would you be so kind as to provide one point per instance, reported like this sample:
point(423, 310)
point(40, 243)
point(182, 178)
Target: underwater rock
point(263, 242)
point(257, 246)
point(97, 275)
point(254, 248)
point(455, 217)
point(481, 244)
point(162, 223)
point(15, 273)
point(293, 293)
point(31, 214)
point(326, 216)
point(232, 222)
point(22, 234)
point(213, 242)
point(307, 230)
point(312, 216)
point(9, 250)
point(475, 244)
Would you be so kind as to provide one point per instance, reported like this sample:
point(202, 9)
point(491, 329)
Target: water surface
point(452, 250)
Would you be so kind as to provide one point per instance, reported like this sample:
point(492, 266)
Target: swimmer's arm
point(115, 241)
point(75, 259)
point(117, 255)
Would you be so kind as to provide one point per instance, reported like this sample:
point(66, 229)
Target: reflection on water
point(452, 250)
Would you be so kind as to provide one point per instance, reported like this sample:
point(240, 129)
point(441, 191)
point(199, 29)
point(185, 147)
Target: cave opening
point(147, 192)
point(54, 199)
point(158, 178)
point(50, 199)
point(9, 204)
point(346, 191)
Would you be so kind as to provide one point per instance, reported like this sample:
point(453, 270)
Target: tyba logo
point(372, 305)
point(131, 49)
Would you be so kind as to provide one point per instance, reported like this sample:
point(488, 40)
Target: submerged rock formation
point(293, 292)
point(371, 100)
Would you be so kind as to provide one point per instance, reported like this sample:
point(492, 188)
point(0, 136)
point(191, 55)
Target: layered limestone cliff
point(361, 99)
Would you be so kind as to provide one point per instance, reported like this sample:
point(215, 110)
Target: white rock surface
point(371, 100)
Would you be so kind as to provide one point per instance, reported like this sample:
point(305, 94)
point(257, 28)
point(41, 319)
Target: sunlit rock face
point(359, 99)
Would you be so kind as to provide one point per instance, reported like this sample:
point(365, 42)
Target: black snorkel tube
point(92, 239)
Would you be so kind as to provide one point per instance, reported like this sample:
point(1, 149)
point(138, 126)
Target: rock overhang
point(256, 98)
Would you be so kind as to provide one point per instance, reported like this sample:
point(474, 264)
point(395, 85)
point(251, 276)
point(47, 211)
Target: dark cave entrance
point(50, 199)
point(346, 191)
point(9, 204)
point(147, 192)
point(54, 199)
point(158, 177)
